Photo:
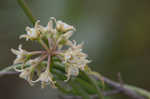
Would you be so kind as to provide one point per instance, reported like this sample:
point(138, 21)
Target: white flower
point(72, 71)
point(26, 74)
point(55, 38)
point(46, 78)
point(63, 27)
point(75, 59)
point(32, 33)
point(21, 55)
point(64, 39)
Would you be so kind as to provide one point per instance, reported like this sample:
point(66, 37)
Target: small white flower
point(63, 27)
point(75, 59)
point(26, 74)
point(46, 78)
point(64, 39)
point(21, 55)
point(32, 33)
point(67, 35)
point(71, 71)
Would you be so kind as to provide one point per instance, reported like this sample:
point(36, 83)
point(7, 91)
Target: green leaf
point(79, 90)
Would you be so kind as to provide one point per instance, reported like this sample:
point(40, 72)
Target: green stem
point(86, 86)
point(27, 11)
point(79, 90)
point(83, 84)
point(93, 81)
point(63, 89)
point(76, 90)
point(60, 67)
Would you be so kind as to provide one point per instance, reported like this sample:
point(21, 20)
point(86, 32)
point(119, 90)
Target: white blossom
point(25, 74)
point(64, 27)
point(55, 39)
point(64, 39)
point(71, 71)
point(75, 59)
point(32, 33)
point(21, 54)
point(46, 78)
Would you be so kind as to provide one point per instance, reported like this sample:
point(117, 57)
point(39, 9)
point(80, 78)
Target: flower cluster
point(74, 59)
point(54, 38)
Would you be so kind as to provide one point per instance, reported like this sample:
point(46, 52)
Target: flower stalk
point(27, 11)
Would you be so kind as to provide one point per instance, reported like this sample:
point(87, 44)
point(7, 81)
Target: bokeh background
point(116, 34)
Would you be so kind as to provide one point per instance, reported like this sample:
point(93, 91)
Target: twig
point(112, 92)
point(8, 73)
point(106, 93)
point(127, 90)
point(124, 90)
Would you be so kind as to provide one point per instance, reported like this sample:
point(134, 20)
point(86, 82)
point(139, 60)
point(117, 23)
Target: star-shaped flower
point(21, 55)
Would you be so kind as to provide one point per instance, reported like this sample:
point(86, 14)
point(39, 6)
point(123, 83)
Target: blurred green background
point(116, 34)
